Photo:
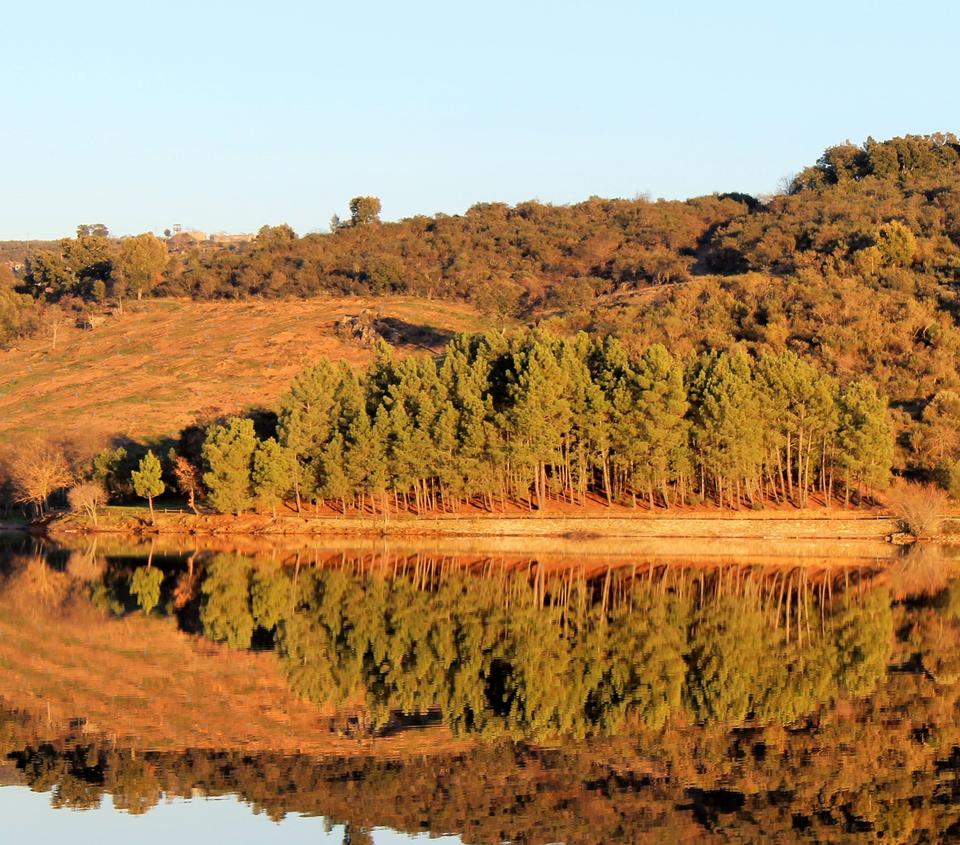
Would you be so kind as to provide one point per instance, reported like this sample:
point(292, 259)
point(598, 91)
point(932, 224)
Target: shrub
point(921, 508)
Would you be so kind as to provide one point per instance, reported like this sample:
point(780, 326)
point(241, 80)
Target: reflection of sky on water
point(29, 818)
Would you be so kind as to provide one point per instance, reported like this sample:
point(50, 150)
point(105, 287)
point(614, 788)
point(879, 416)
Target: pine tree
point(306, 422)
point(272, 477)
point(799, 410)
point(466, 375)
point(537, 416)
point(588, 445)
point(364, 458)
point(147, 479)
point(335, 484)
point(727, 430)
point(411, 407)
point(660, 407)
point(145, 585)
point(726, 650)
point(228, 455)
point(443, 436)
point(864, 438)
point(271, 598)
point(610, 370)
point(380, 375)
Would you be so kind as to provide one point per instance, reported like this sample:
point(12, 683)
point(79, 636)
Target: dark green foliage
point(637, 664)
point(854, 270)
point(727, 426)
point(272, 598)
point(864, 438)
point(727, 649)
point(304, 425)
point(147, 479)
point(228, 452)
point(108, 468)
point(531, 418)
point(272, 473)
point(364, 210)
point(18, 316)
point(81, 267)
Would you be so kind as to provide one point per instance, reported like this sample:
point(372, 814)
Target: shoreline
point(770, 526)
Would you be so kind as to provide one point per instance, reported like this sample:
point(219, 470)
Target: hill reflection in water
point(498, 697)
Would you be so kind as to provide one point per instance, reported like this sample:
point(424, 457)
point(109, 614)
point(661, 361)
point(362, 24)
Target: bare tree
point(188, 479)
point(38, 469)
point(57, 321)
point(87, 497)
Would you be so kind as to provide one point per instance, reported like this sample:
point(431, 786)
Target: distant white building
point(225, 238)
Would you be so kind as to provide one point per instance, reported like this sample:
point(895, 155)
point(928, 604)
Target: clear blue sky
point(228, 115)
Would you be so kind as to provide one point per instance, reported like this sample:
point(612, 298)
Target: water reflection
point(28, 817)
point(580, 703)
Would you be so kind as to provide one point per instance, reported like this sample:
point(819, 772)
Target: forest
point(527, 420)
point(849, 274)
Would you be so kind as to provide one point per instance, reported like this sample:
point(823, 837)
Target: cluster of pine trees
point(532, 418)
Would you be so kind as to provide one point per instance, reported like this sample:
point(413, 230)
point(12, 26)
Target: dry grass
point(921, 509)
point(151, 371)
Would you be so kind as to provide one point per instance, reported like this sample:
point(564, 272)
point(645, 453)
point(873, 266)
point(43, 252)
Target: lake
point(375, 692)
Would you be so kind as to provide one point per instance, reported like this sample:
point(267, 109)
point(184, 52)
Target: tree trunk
point(666, 495)
point(780, 475)
point(789, 468)
point(801, 481)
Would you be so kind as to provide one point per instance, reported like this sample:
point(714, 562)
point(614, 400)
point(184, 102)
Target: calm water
point(29, 817)
point(381, 694)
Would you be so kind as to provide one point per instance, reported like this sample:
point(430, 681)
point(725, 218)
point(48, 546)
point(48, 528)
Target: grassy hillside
point(154, 369)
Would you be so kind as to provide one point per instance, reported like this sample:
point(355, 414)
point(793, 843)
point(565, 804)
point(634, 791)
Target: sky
point(225, 116)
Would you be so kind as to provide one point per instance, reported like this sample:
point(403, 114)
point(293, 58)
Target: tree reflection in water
point(611, 704)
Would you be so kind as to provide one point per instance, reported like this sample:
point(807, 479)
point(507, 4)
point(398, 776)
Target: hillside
point(154, 369)
point(854, 268)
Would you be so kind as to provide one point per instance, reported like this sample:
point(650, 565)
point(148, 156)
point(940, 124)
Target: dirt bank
point(810, 525)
